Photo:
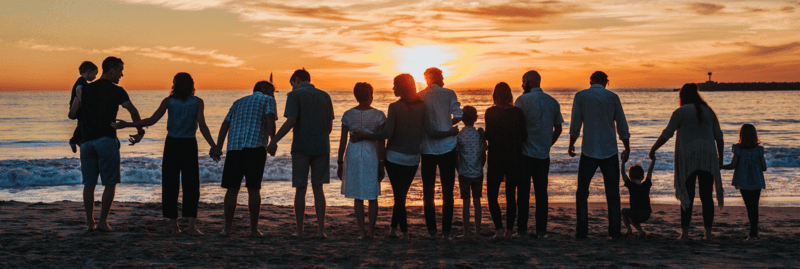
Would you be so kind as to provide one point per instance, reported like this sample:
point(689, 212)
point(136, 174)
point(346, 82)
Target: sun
point(415, 60)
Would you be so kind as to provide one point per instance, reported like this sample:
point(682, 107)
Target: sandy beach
point(52, 235)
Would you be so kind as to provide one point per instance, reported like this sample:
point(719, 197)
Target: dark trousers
point(537, 170)
point(400, 176)
point(447, 174)
point(76, 135)
point(706, 186)
point(586, 169)
point(518, 194)
point(180, 167)
point(751, 203)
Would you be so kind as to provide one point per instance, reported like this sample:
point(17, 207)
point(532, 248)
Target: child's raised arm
point(650, 170)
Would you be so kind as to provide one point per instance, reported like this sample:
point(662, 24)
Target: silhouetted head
point(470, 115)
point(182, 86)
point(406, 88)
point(502, 95)
point(299, 77)
point(636, 172)
point(89, 70)
point(531, 80)
point(748, 136)
point(363, 93)
point(689, 94)
point(433, 75)
point(112, 68)
point(265, 87)
point(598, 77)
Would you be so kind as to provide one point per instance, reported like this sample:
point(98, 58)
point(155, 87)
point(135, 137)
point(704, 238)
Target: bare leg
point(465, 217)
point(108, 200)
point(320, 206)
point(254, 204)
point(174, 227)
point(231, 198)
point(707, 236)
point(638, 227)
point(193, 227)
point(373, 217)
point(627, 222)
point(88, 204)
point(359, 206)
point(477, 202)
point(684, 234)
point(299, 209)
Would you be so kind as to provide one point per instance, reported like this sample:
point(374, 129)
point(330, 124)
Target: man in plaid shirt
point(250, 121)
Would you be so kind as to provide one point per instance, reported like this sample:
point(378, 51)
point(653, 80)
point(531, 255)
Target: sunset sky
point(233, 44)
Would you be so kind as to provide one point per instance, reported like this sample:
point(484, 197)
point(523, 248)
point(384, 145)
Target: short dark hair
point(362, 91)
point(183, 86)
point(263, 84)
point(599, 77)
point(86, 67)
point(433, 75)
point(470, 115)
point(636, 171)
point(301, 74)
point(111, 63)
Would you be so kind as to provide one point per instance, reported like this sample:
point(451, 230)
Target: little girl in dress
point(748, 166)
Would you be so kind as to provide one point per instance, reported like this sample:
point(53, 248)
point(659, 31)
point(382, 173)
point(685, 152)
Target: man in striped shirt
point(250, 121)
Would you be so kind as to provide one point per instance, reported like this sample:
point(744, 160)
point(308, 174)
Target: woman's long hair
point(748, 136)
point(502, 95)
point(406, 88)
point(690, 95)
point(182, 86)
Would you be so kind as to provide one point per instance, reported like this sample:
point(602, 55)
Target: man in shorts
point(309, 112)
point(251, 121)
point(96, 105)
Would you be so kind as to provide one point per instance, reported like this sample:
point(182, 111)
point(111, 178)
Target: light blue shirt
point(601, 111)
point(441, 103)
point(542, 112)
point(182, 117)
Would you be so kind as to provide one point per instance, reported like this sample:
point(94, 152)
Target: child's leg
point(638, 227)
point(626, 220)
point(373, 217)
point(476, 200)
point(751, 203)
point(465, 214)
point(359, 205)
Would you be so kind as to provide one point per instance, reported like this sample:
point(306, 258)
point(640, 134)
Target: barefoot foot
point(195, 231)
point(256, 233)
point(226, 232)
point(104, 227)
point(393, 234)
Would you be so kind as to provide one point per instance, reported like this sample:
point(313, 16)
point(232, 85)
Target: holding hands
point(215, 153)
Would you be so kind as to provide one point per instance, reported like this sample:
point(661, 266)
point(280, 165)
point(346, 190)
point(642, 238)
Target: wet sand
point(52, 235)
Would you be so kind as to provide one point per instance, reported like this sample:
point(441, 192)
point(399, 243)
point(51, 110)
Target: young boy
point(639, 189)
point(471, 147)
point(88, 72)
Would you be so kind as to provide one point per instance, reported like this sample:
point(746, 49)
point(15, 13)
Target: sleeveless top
point(182, 119)
point(749, 175)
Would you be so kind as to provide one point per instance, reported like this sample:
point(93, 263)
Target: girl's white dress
point(360, 172)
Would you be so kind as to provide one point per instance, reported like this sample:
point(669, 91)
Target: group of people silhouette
point(418, 132)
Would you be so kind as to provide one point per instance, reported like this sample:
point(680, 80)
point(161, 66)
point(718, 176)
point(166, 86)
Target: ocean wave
point(138, 170)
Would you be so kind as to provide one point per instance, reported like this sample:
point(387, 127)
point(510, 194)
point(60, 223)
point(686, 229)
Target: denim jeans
point(447, 175)
point(586, 169)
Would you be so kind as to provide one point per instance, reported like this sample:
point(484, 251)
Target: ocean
point(37, 165)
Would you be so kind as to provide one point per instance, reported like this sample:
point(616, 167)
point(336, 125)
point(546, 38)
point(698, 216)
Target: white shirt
point(601, 111)
point(471, 144)
point(441, 103)
point(542, 112)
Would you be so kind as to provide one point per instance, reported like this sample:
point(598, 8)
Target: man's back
point(314, 111)
point(441, 103)
point(600, 110)
point(542, 112)
point(100, 101)
point(247, 118)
